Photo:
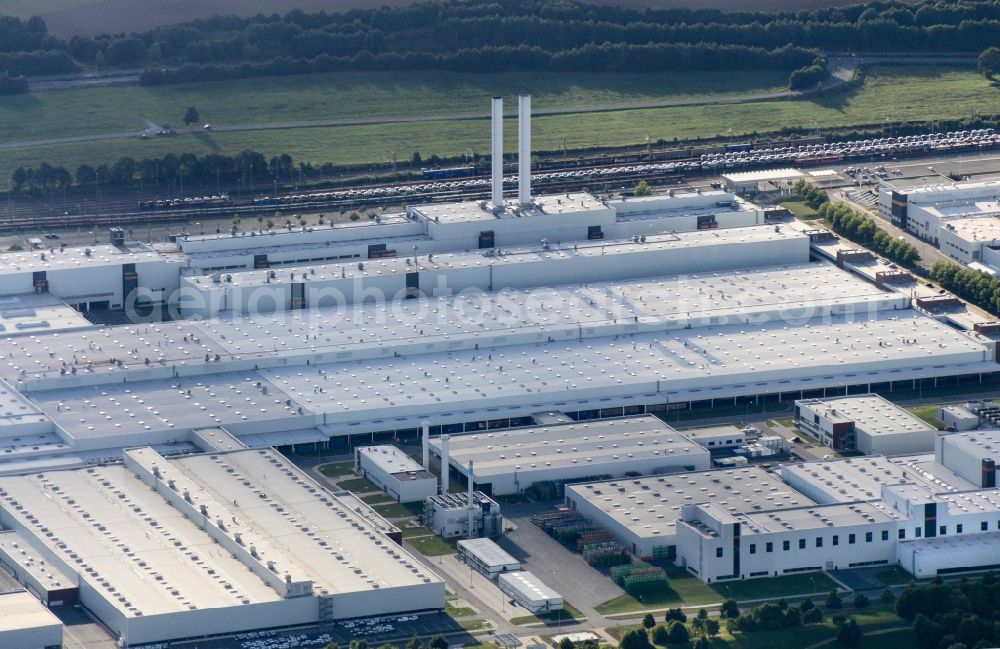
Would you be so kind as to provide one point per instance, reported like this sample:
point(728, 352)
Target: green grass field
point(337, 469)
point(432, 546)
point(800, 210)
point(889, 93)
point(686, 590)
point(928, 413)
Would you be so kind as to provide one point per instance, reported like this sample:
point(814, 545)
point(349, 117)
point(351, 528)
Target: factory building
point(141, 543)
point(973, 455)
point(510, 461)
point(960, 218)
point(751, 182)
point(395, 472)
point(867, 423)
point(958, 418)
point(460, 515)
point(27, 624)
point(542, 264)
point(642, 512)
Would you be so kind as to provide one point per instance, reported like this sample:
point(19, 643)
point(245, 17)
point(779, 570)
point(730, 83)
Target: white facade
point(715, 438)
point(973, 455)
point(926, 210)
point(395, 472)
point(528, 590)
point(162, 575)
point(26, 624)
point(928, 557)
point(487, 557)
point(958, 418)
point(868, 423)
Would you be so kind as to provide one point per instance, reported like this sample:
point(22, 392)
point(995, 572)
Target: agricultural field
point(889, 94)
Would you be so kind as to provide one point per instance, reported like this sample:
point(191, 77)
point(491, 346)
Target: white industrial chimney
point(472, 503)
point(524, 149)
point(445, 463)
point(426, 441)
point(496, 155)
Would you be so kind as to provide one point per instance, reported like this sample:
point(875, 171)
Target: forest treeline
point(506, 35)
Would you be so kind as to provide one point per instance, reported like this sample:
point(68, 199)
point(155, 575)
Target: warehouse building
point(510, 461)
point(26, 624)
point(751, 182)
point(717, 438)
point(642, 512)
point(973, 455)
point(867, 423)
point(543, 263)
point(395, 472)
point(142, 542)
point(487, 557)
point(958, 418)
point(528, 591)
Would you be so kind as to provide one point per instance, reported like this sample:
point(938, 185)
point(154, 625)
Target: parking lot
point(376, 630)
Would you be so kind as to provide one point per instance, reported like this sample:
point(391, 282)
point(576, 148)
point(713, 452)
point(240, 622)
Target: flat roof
point(558, 446)
point(574, 203)
point(147, 557)
point(529, 585)
point(763, 293)
point(816, 517)
point(29, 559)
point(274, 236)
point(651, 506)
point(972, 545)
point(488, 553)
point(16, 410)
point(73, 257)
point(990, 185)
point(980, 443)
point(870, 413)
point(978, 229)
point(20, 610)
point(392, 460)
point(848, 479)
point(536, 253)
point(31, 313)
point(705, 432)
point(764, 175)
point(692, 363)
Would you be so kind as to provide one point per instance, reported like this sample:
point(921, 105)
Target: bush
point(648, 621)
point(861, 600)
point(729, 609)
point(812, 616)
point(833, 601)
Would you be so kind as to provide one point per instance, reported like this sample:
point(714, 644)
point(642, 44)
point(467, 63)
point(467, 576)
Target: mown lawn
point(889, 93)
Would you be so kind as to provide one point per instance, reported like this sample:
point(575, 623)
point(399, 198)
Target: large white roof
point(74, 257)
point(650, 507)
point(582, 444)
point(870, 413)
point(148, 557)
point(20, 610)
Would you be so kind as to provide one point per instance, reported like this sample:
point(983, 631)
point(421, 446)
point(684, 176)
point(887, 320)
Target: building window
point(718, 553)
point(753, 548)
point(836, 540)
point(850, 539)
point(819, 541)
point(785, 545)
point(901, 534)
point(868, 537)
point(920, 532)
point(769, 547)
point(885, 535)
point(983, 526)
point(802, 544)
point(942, 530)
point(958, 529)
